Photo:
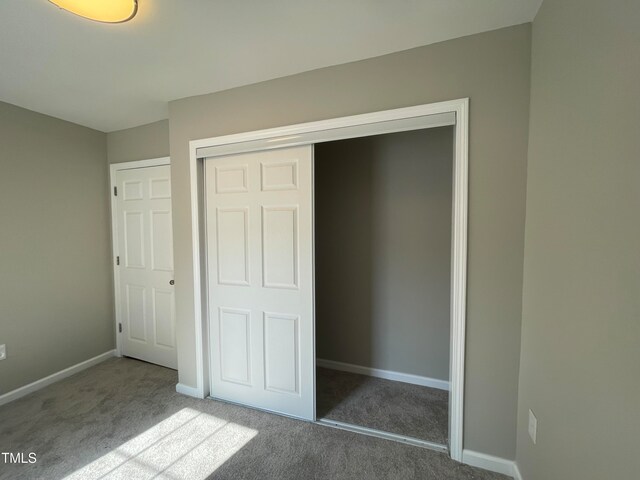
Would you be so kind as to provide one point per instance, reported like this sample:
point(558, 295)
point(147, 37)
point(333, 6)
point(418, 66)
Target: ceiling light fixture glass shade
point(108, 11)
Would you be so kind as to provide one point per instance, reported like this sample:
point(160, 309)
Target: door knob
point(171, 282)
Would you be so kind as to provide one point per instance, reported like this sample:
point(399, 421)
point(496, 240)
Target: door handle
point(171, 282)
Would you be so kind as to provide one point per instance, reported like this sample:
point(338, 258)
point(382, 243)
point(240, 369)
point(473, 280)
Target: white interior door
point(260, 276)
point(145, 270)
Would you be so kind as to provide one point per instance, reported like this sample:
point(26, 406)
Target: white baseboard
point(189, 391)
point(386, 374)
point(491, 463)
point(516, 472)
point(55, 377)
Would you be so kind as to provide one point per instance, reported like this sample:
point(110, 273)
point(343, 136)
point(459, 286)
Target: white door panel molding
point(143, 261)
point(260, 267)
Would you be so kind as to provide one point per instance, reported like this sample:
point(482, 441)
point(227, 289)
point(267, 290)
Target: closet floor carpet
point(394, 407)
point(123, 419)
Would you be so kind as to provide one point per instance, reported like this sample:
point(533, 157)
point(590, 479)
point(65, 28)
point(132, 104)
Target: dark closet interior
point(383, 270)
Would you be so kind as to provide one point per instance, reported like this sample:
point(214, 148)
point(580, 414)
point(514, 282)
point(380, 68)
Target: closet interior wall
point(383, 251)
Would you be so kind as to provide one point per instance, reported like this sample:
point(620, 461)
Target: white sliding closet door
point(260, 277)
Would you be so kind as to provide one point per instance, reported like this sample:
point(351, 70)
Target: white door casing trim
point(400, 120)
point(370, 122)
point(114, 168)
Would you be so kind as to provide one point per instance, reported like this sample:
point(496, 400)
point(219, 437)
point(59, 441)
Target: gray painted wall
point(55, 281)
point(580, 365)
point(493, 69)
point(139, 143)
point(383, 251)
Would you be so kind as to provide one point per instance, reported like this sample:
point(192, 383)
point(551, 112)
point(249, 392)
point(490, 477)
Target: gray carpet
point(395, 407)
point(123, 419)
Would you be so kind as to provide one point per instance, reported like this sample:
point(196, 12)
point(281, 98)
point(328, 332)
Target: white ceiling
point(110, 77)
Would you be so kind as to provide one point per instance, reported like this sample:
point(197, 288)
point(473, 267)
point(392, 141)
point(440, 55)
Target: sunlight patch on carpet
point(189, 444)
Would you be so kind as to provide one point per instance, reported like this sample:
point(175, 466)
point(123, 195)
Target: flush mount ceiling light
point(108, 11)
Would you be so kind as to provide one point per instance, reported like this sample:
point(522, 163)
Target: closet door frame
point(454, 112)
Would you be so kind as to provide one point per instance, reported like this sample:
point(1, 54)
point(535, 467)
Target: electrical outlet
point(533, 426)
point(3, 352)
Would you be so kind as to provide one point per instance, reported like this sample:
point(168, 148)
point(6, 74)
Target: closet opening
point(272, 301)
point(383, 262)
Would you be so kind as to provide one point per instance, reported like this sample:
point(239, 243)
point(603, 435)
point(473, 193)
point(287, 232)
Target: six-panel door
point(145, 248)
point(260, 277)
